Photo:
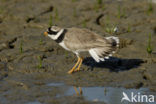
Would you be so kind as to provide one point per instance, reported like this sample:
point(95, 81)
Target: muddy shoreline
point(28, 60)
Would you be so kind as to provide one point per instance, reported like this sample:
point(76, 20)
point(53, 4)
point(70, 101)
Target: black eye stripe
point(51, 32)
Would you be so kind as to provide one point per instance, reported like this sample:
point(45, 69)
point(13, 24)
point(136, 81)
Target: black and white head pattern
point(54, 32)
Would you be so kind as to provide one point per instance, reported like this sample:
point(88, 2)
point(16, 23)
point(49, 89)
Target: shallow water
point(22, 46)
point(109, 95)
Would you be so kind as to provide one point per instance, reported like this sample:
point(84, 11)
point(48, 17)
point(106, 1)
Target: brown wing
point(76, 39)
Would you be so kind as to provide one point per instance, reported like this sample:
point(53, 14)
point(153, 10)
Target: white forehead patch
point(54, 28)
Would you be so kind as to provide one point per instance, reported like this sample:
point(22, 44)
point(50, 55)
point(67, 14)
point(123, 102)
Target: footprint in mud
point(114, 64)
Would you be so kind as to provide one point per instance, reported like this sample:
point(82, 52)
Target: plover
point(79, 39)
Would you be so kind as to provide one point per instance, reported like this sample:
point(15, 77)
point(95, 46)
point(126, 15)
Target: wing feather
point(76, 39)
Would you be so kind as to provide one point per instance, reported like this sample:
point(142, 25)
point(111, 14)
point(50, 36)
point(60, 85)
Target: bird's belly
point(81, 50)
point(64, 46)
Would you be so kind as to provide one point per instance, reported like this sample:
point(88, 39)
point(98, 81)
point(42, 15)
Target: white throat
point(55, 37)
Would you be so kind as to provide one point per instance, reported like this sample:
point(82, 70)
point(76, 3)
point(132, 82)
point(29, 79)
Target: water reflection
point(78, 90)
point(109, 95)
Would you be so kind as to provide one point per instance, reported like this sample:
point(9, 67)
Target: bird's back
point(83, 39)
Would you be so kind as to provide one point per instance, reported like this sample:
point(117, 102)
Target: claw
point(78, 65)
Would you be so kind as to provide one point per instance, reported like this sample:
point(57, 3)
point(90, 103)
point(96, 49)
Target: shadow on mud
point(114, 64)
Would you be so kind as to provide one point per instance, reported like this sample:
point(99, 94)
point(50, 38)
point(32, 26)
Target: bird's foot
point(73, 69)
point(78, 65)
point(77, 69)
point(70, 71)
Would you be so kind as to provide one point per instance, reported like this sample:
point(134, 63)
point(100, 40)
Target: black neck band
point(61, 37)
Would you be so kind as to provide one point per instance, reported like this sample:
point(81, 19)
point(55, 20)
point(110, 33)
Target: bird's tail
point(102, 53)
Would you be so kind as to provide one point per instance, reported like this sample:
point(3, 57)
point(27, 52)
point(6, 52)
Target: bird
point(78, 40)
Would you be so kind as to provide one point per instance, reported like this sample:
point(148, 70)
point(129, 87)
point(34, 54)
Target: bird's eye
point(49, 29)
point(51, 32)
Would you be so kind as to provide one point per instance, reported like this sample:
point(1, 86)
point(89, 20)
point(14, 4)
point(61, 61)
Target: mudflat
point(29, 61)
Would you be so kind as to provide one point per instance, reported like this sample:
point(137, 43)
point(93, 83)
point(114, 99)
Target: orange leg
point(72, 70)
point(80, 63)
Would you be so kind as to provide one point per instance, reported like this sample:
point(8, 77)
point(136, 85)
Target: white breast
point(63, 45)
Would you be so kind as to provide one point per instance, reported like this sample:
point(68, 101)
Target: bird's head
point(53, 31)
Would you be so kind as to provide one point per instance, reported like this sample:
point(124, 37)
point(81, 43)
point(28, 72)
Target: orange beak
point(45, 33)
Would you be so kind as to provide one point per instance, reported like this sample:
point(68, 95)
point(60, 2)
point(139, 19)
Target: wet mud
point(29, 61)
